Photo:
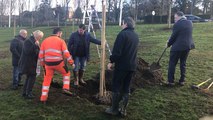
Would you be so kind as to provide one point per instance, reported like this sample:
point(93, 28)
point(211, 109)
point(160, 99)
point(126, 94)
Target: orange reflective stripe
point(45, 87)
point(53, 58)
point(53, 50)
point(41, 52)
point(41, 59)
point(66, 82)
point(69, 58)
point(66, 77)
point(44, 93)
point(65, 51)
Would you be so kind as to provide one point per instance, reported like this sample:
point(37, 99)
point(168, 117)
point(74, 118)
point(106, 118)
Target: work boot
point(124, 104)
point(29, 96)
point(67, 92)
point(81, 74)
point(76, 80)
point(113, 110)
point(20, 84)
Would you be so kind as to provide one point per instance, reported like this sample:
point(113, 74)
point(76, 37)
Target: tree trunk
point(211, 7)
point(108, 12)
point(169, 13)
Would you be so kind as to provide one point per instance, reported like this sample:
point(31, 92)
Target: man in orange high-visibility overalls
point(52, 53)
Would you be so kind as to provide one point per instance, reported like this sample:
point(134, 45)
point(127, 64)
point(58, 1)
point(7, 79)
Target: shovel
point(198, 86)
point(156, 66)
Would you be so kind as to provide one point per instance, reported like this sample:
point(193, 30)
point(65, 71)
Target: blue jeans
point(16, 76)
point(174, 57)
point(80, 63)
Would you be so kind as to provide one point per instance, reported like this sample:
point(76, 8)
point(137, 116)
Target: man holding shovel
point(181, 42)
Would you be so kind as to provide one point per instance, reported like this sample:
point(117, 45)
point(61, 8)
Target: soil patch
point(144, 76)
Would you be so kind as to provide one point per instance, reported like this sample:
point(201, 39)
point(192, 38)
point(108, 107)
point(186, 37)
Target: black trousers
point(175, 56)
point(121, 81)
point(29, 83)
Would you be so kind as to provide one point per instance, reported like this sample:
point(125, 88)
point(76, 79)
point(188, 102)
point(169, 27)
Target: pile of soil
point(144, 76)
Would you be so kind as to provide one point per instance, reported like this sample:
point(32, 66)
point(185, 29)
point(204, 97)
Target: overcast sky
point(72, 4)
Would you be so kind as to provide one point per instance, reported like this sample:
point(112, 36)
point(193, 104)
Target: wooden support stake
point(103, 55)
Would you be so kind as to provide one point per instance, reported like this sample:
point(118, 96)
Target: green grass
point(149, 103)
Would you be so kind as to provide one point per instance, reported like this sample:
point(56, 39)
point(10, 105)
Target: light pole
point(153, 14)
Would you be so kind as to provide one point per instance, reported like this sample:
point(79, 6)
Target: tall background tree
point(3, 7)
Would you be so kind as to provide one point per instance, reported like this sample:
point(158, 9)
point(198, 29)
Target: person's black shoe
point(20, 84)
point(29, 96)
point(67, 92)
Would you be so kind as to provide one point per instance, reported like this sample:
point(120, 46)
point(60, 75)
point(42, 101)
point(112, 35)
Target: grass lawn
point(149, 103)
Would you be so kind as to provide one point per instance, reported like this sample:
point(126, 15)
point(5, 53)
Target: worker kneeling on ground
point(53, 50)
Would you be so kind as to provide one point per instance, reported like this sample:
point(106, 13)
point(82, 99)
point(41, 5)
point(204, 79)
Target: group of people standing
point(24, 60)
point(53, 54)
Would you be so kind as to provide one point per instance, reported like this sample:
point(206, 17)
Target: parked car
point(194, 18)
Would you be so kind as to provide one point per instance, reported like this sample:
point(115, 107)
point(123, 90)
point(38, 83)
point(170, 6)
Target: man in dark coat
point(181, 42)
point(124, 56)
point(28, 62)
point(16, 49)
point(79, 46)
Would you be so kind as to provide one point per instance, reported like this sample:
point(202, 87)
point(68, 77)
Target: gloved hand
point(37, 42)
point(109, 66)
point(73, 66)
point(38, 71)
point(167, 45)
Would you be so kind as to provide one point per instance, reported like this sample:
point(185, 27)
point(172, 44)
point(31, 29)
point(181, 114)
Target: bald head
point(38, 34)
point(23, 33)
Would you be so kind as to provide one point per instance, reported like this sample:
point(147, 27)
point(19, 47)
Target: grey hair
point(38, 34)
point(23, 33)
point(129, 21)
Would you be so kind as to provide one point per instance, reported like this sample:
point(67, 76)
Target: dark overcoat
point(29, 57)
point(16, 49)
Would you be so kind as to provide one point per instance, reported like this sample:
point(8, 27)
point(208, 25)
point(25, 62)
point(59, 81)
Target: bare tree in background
point(3, 7)
point(169, 13)
point(22, 6)
point(211, 6)
point(206, 6)
point(36, 9)
point(12, 7)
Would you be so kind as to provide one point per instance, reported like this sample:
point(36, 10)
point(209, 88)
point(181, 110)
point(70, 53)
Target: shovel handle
point(161, 55)
point(203, 82)
point(210, 85)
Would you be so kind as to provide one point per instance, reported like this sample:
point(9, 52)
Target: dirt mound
point(143, 76)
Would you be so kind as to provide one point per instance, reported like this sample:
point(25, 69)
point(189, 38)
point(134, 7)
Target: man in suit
point(181, 42)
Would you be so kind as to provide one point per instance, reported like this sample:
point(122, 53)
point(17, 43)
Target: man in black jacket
point(16, 49)
point(79, 48)
point(28, 62)
point(181, 42)
point(124, 56)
